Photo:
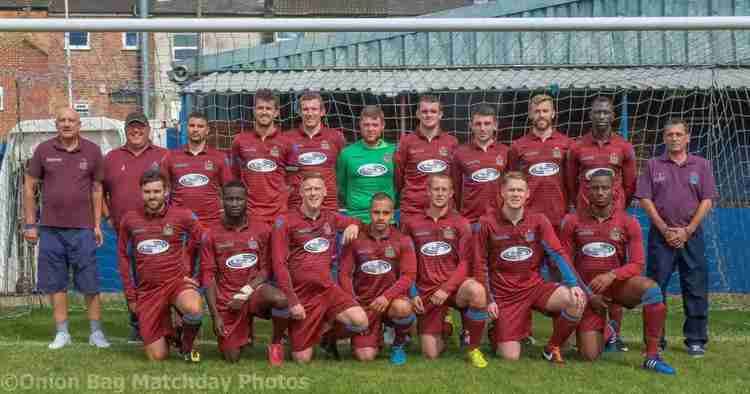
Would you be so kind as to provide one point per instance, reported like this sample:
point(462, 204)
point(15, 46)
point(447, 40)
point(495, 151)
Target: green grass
point(80, 368)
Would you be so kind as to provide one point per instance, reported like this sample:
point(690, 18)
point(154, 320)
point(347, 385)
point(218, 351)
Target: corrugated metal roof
point(394, 81)
point(375, 50)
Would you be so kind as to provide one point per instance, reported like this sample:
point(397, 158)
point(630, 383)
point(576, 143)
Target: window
point(77, 40)
point(287, 35)
point(82, 109)
point(130, 40)
point(184, 46)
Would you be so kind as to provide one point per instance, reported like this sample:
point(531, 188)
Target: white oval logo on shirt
point(485, 175)
point(241, 261)
point(261, 165)
point(436, 248)
point(372, 170)
point(598, 249)
point(317, 245)
point(193, 180)
point(312, 158)
point(376, 267)
point(544, 169)
point(152, 246)
point(432, 166)
point(591, 172)
point(516, 253)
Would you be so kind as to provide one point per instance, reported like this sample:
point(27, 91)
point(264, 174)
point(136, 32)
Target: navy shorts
point(63, 249)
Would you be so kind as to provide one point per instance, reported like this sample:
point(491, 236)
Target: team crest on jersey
point(530, 237)
point(660, 177)
point(694, 178)
point(327, 229)
point(500, 160)
point(252, 244)
point(615, 234)
point(275, 151)
point(556, 153)
point(168, 230)
point(388, 157)
point(209, 165)
point(83, 165)
point(449, 233)
point(443, 151)
point(325, 145)
point(390, 252)
point(614, 158)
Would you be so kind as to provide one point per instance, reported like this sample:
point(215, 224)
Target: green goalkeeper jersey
point(362, 171)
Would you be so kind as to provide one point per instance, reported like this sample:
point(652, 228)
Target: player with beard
point(196, 173)
point(603, 149)
point(159, 240)
point(314, 148)
point(259, 160)
point(510, 246)
point(607, 249)
point(303, 246)
point(478, 165)
point(235, 267)
point(377, 268)
point(442, 238)
point(427, 151)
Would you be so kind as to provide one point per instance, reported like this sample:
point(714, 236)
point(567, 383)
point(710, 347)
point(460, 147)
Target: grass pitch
point(28, 366)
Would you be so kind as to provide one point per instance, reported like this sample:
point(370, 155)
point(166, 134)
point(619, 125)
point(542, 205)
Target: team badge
point(443, 151)
point(327, 229)
point(252, 244)
point(390, 252)
point(449, 233)
point(168, 230)
point(154, 166)
point(325, 145)
point(83, 165)
point(388, 157)
point(530, 237)
point(123, 168)
point(660, 177)
point(209, 165)
point(615, 234)
point(275, 151)
point(556, 153)
point(694, 178)
point(614, 159)
point(500, 160)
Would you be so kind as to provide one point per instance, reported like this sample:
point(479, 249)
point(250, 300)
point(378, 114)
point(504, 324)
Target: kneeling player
point(234, 268)
point(161, 241)
point(378, 267)
point(510, 245)
point(443, 239)
point(303, 243)
point(607, 247)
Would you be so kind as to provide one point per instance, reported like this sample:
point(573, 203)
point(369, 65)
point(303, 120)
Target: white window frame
point(2, 98)
point(88, 41)
point(276, 37)
point(176, 48)
point(83, 108)
point(125, 41)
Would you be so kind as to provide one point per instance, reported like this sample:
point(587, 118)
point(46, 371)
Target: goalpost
point(653, 68)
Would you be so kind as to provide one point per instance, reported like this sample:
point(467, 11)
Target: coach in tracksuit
point(676, 190)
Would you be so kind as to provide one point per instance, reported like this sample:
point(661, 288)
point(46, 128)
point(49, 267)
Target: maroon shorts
point(514, 312)
point(152, 308)
point(320, 309)
point(238, 324)
point(592, 321)
point(373, 337)
point(431, 321)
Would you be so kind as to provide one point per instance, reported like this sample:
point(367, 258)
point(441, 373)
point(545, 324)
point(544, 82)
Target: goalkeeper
point(366, 167)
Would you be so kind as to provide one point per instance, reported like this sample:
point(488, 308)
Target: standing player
point(235, 265)
point(123, 168)
point(259, 160)
point(540, 156)
point(443, 239)
point(196, 172)
point(303, 244)
point(314, 148)
point(478, 165)
point(159, 239)
point(603, 149)
point(425, 152)
point(607, 249)
point(510, 246)
point(366, 166)
point(377, 268)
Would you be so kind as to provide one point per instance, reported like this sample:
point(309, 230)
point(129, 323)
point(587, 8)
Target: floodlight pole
point(68, 67)
point(145, 77)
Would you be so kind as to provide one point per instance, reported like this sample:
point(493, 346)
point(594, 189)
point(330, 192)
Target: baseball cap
point(136, 117)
